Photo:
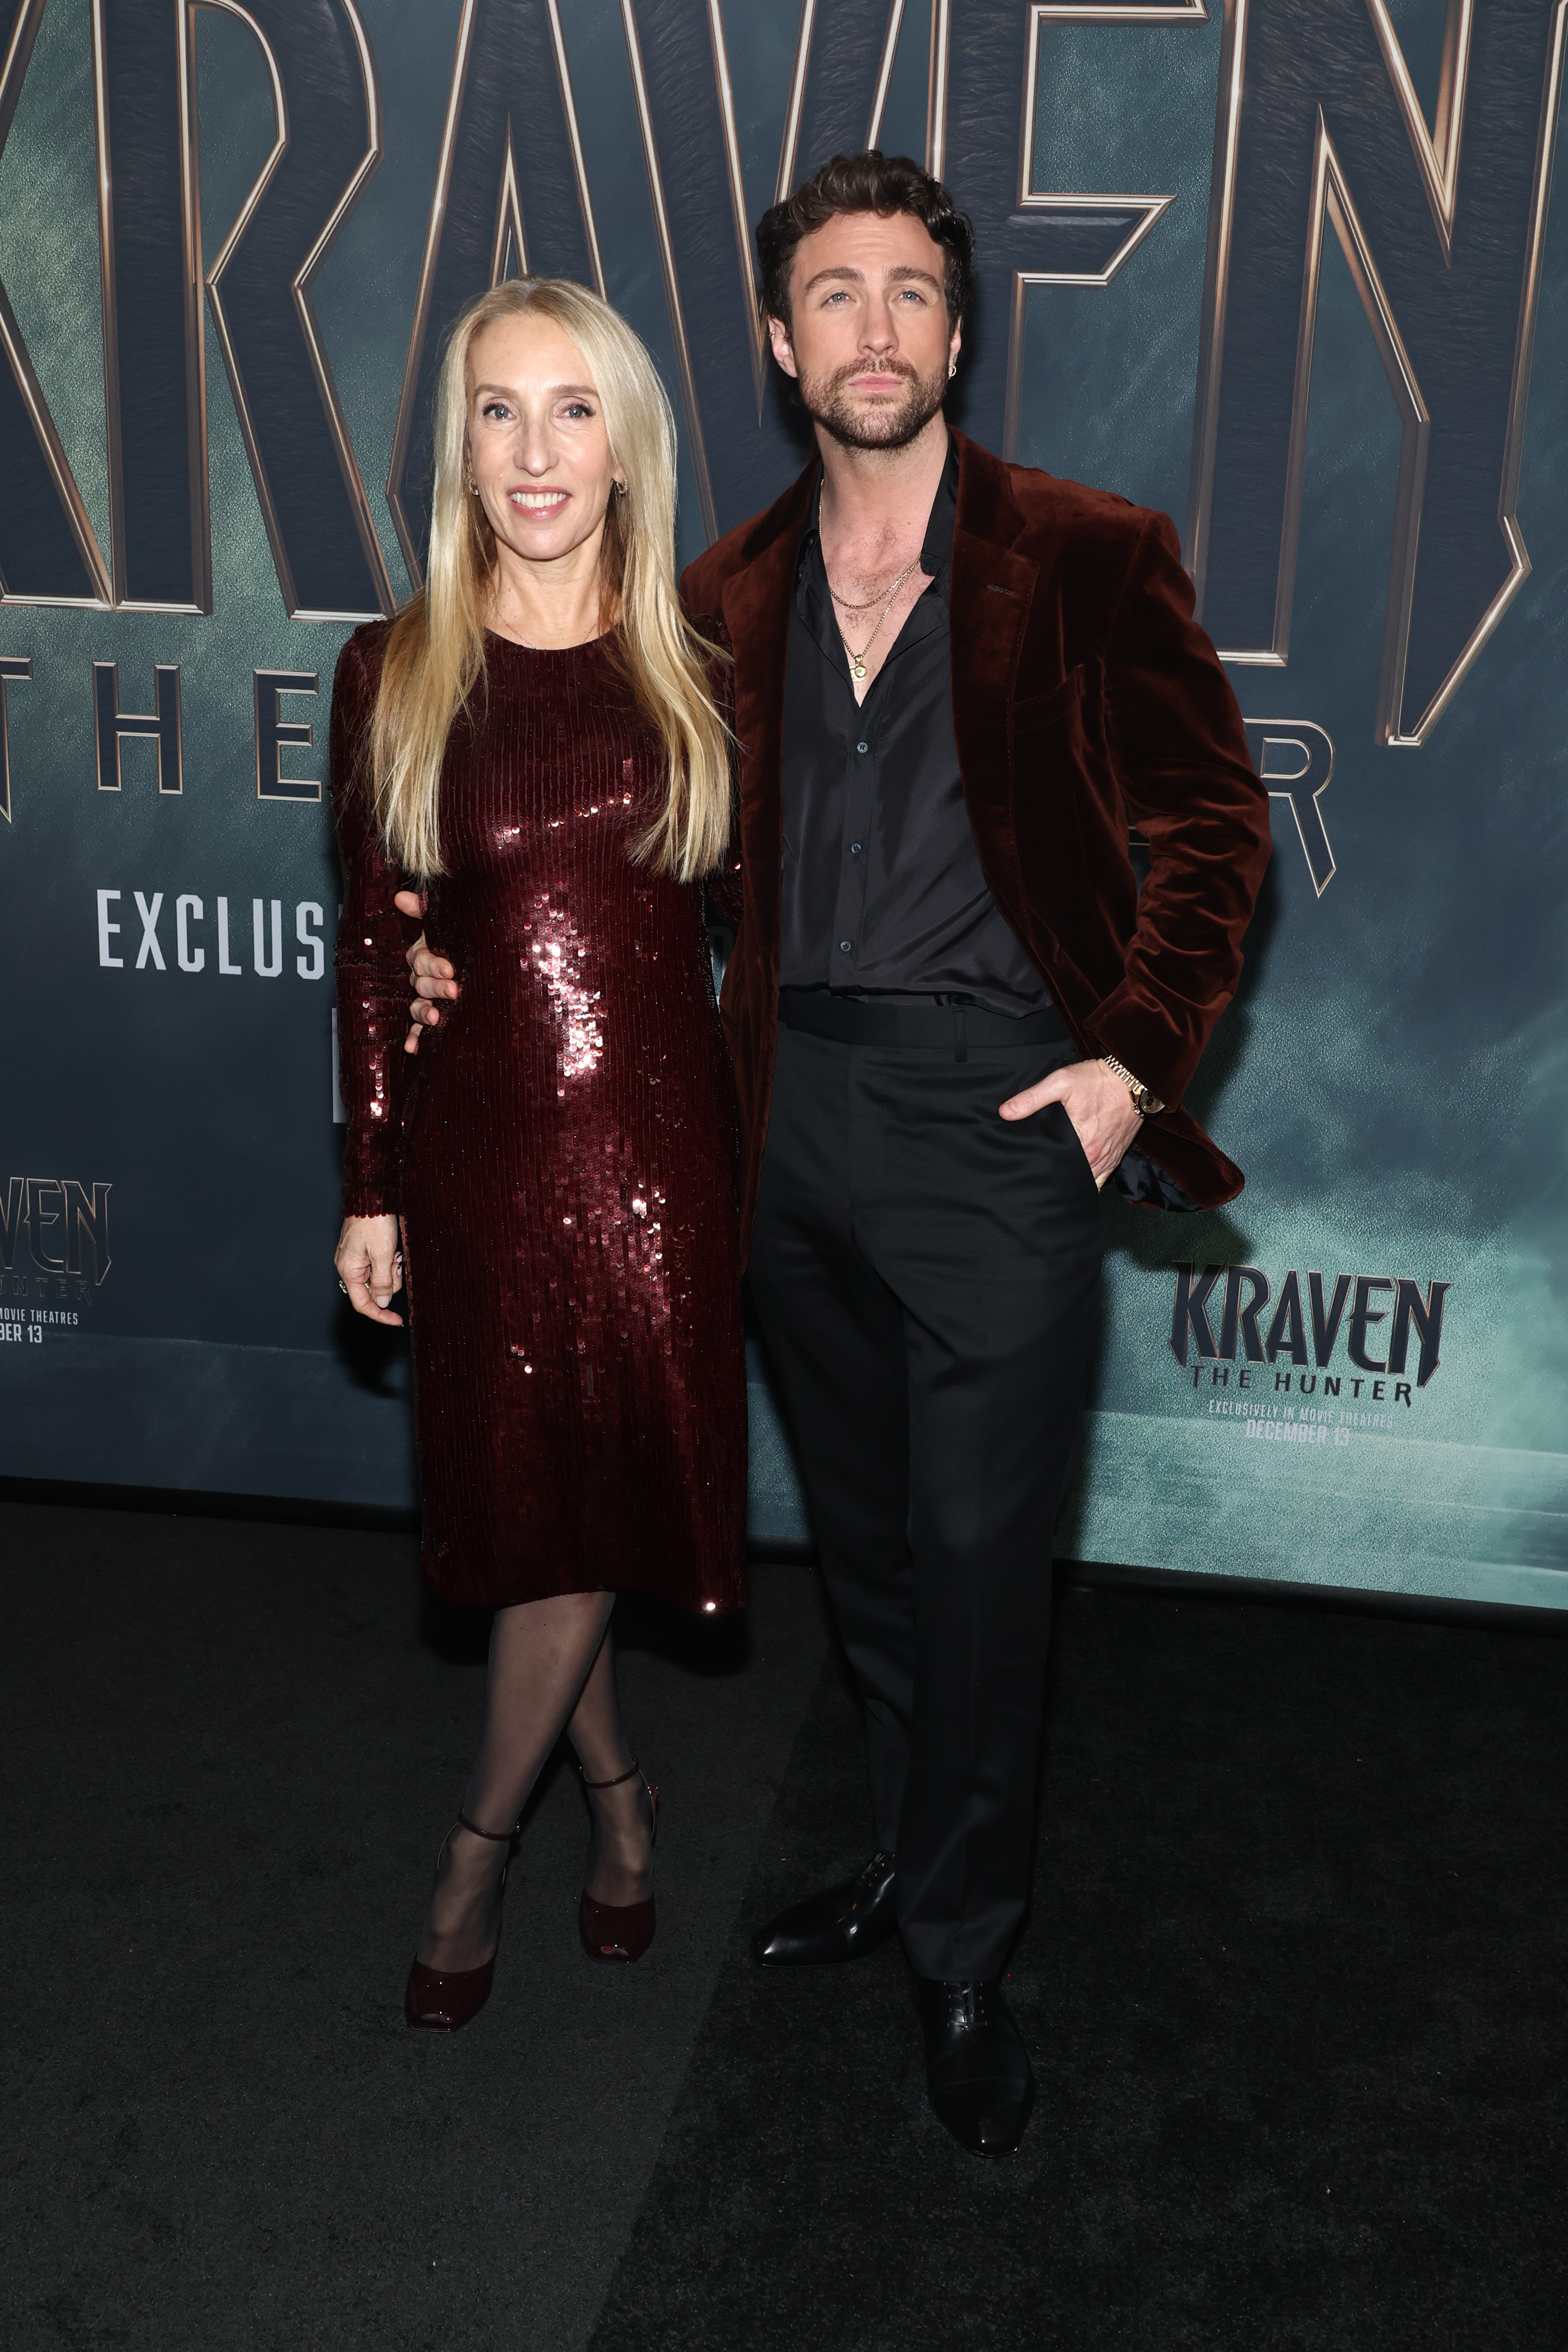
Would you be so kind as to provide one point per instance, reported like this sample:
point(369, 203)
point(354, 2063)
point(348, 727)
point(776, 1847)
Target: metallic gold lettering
point(87, 1215)
point(739, 442)
point(48, 554)
point(13, 1217)
point(273, 731)
point(1442, 229)
point(324, 547)
point(317, 519)
point(670, 50)
point(112, 725)
point(150, 249)
point(1027, 237)
point(12, 667)
point(843, 63)
point(500, 203)
point(1295, 759)
point(41, 1190)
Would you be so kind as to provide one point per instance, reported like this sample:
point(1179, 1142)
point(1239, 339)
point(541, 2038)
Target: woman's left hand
point(370, 1265)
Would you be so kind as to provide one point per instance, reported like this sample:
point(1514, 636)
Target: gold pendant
point(857, 669)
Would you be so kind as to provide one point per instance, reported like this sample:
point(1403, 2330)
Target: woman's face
point(537, 443)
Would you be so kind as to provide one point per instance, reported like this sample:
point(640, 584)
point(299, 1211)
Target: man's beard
point(891, 424)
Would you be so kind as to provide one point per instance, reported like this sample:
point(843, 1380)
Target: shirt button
point(845, 946)
point(855, 850)
point(862, 747)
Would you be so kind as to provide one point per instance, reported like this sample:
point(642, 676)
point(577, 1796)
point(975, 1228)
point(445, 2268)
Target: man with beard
point(953, 1017)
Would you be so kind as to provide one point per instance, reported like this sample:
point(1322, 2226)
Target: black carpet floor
point(230, 1752)
point(1296, 1984)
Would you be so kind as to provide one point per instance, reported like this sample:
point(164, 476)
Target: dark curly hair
point(871, 183)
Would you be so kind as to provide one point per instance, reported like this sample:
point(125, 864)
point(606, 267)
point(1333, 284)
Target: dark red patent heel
point(438, 2001)
point(619, 1932)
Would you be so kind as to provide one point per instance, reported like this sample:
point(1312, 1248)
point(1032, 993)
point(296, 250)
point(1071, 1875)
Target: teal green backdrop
point(1286, 268)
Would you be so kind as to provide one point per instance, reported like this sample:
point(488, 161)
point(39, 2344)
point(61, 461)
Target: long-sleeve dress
point(561, 1150)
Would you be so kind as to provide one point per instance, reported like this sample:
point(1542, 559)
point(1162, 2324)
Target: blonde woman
point(537, 743)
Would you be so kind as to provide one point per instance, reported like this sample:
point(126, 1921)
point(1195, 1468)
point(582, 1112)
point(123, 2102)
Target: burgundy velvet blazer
point(1085, 699)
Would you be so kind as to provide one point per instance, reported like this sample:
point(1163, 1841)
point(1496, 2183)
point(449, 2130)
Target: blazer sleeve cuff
point(1160, 1047)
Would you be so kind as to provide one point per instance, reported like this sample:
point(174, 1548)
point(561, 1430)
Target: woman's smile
point(541, 506)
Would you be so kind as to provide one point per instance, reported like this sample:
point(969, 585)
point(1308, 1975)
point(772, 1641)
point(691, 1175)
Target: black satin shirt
point(882, 889)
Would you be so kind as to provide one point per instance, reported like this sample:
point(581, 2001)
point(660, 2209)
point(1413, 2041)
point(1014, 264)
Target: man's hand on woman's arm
point(370, 1265)
point(434, 977)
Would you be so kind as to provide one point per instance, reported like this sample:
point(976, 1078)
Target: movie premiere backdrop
point(1286, 268)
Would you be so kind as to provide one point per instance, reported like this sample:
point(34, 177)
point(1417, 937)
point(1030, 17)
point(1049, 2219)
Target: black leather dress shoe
point(842, 1922)
point(977, 2072)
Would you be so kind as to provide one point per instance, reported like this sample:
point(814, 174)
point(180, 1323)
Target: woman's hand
point(370, 1265)
point(1097, 1103)
point(434, 977)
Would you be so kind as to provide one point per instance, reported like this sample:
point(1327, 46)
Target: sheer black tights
point(551, 1668)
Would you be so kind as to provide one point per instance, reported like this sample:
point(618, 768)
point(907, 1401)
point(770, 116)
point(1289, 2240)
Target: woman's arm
point(725, 887)
point(372, 991)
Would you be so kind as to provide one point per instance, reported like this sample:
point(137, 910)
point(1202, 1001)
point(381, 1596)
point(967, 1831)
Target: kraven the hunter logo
point(53, 1237)
point(1230, 1313)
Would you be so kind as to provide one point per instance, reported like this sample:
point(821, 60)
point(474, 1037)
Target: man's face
point(869, 341)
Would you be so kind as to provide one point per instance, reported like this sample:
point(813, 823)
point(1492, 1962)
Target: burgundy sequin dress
point(561, 1150)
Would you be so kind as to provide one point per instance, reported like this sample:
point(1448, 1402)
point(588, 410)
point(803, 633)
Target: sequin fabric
point(561, 1152)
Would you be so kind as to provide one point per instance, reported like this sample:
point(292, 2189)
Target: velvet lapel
point(992, 589)
point(756, 601)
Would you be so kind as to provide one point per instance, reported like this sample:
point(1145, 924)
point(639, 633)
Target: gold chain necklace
point(844, 602)
point(857, 661)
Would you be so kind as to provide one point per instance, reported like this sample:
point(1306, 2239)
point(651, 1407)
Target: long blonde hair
point(434, 656)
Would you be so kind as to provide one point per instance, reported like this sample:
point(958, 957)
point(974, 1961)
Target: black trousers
point(926, 1273)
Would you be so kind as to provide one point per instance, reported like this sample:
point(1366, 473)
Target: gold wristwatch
point(1144, 1103)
